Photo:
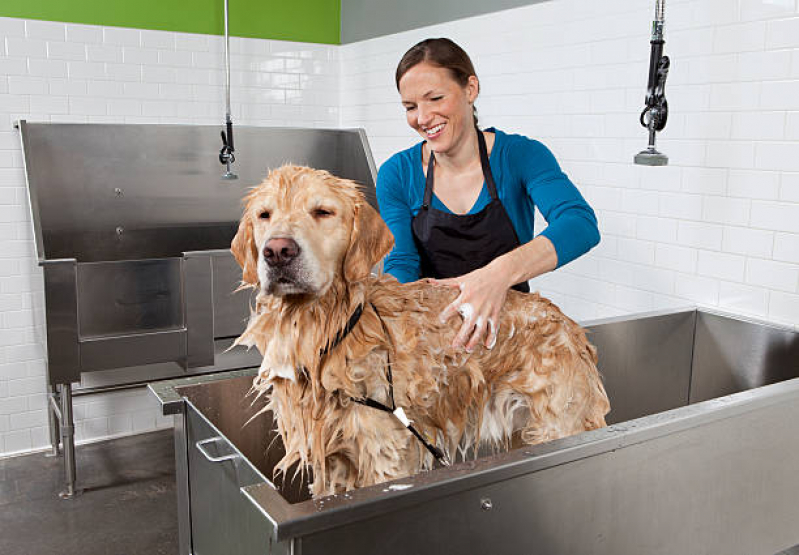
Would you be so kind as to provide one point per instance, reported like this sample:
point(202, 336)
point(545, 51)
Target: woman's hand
point(483, 293)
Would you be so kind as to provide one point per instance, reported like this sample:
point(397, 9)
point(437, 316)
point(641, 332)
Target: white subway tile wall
point(720, 225)
point(81, 73)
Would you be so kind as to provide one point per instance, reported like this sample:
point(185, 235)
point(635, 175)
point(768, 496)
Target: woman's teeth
point(434, 130)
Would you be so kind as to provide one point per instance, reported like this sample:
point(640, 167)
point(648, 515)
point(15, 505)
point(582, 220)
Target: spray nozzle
point(656, 111)
point(226, 155)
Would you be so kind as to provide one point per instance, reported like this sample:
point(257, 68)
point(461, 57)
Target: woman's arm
point(527, 261)
point(571, 232)
point(572, 226)
point(403, 261)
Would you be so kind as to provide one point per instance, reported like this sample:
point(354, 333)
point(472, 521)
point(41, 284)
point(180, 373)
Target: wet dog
point(358, 371)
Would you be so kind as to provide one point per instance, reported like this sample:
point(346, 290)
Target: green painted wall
point(298, 20)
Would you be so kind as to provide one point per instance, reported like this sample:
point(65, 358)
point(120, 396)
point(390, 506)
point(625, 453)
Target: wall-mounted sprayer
point(226, 155)
point(656, 111)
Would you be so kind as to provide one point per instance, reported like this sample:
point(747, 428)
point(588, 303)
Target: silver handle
point(200, 445)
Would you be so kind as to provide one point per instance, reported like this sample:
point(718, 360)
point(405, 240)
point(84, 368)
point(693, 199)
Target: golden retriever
point(339, 344)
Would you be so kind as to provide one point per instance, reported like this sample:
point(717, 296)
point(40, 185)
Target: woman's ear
point(370, 241)
point(245, 252)
point(472, 88)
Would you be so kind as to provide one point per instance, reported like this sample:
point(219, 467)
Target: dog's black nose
point(280, 251)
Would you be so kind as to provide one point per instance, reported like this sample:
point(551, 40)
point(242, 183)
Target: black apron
point(451, 245)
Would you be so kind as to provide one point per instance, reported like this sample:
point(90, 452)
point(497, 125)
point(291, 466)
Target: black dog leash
point(398, 412)
point(341, 334)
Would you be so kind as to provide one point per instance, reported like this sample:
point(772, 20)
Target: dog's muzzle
point(284, 268)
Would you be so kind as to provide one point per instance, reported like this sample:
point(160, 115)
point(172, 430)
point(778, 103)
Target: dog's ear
point(245, 252)
point(370, 241)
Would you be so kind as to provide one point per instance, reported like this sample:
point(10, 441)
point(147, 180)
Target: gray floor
point(128, 506)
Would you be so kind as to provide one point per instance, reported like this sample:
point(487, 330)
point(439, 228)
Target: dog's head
point(303, 228)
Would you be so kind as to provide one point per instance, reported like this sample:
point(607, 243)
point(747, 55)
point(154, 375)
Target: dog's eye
point(321, 213)
point(264, 215)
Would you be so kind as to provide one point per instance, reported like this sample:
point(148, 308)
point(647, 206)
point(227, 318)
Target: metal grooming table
point(701, 457)
point(133, 225)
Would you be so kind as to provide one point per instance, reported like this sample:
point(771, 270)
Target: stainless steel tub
point(133, 225)
point(701, 457)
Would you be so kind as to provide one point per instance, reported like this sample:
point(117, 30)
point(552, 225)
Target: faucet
point(226, 155)
point(656, 111)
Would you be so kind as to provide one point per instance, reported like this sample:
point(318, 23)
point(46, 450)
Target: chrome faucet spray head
point(226, 155)
point(656, 112)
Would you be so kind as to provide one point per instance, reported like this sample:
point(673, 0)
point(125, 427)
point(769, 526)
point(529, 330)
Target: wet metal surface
point(128, 506)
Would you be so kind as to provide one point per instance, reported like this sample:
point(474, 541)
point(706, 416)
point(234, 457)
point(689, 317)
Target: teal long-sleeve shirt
point(526, 175)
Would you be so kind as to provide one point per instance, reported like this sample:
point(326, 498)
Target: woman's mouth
point(434, 132)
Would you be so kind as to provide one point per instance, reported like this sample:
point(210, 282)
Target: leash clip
point(440, 456)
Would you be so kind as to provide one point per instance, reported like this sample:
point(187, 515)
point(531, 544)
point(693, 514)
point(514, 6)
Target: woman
point(461, 203)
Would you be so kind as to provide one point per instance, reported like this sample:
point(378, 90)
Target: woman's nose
point(423, 116)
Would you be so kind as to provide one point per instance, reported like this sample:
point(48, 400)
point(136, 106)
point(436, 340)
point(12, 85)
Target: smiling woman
point(474, 230)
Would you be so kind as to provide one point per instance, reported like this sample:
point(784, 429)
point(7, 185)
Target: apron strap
point(484, 164)
point(481, 144)
point(428, 184)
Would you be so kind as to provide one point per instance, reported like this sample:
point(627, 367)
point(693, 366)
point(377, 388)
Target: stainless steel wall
point(104, 192)
point(645, 363)
point(732, 355)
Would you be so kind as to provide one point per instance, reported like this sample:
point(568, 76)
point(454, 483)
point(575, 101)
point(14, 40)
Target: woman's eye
point(436, 98)
point(321, 213)
point(409, 108)
point(264, 215)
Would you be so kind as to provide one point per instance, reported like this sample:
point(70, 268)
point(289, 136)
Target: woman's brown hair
point(441, 52)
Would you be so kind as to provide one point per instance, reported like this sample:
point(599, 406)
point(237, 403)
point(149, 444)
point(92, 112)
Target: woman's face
point(437, 106)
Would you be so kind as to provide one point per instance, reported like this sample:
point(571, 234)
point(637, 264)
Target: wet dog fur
point(538, 383)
